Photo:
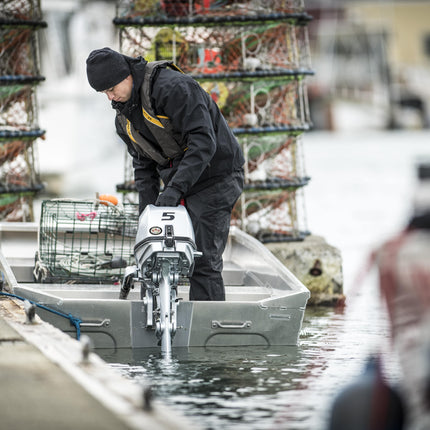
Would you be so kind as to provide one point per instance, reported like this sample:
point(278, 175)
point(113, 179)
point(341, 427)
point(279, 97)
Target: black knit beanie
point(106, 68)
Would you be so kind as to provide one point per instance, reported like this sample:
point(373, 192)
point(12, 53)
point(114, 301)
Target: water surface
point(290, 387)
point(360, 194)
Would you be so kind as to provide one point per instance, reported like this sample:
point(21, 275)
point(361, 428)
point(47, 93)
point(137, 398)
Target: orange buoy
point(105, 198)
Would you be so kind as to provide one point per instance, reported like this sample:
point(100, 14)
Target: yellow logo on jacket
point(150, 118)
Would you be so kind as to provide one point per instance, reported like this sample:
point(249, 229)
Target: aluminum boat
point(264, 304)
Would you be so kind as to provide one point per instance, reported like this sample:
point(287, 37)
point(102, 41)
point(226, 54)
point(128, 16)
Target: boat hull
point(264, 304)
point(114, 323)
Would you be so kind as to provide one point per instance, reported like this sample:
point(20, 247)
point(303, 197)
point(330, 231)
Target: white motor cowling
point(165, 233)
point(164, 251)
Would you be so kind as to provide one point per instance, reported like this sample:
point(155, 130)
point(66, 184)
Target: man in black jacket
point(175, 132)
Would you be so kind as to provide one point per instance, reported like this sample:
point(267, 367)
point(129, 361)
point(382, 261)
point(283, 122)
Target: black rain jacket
point(213, 151)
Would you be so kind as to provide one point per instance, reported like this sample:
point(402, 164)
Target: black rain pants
point(210, 213)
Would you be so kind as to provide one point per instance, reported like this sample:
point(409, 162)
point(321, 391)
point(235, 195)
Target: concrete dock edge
point(47, 383)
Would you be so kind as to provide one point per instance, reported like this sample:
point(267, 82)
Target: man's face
point(120, 92)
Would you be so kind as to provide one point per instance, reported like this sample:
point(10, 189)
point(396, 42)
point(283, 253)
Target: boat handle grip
point(105, 322)
point(231, 324)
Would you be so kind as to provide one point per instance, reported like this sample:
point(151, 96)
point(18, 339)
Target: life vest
point(160, 126)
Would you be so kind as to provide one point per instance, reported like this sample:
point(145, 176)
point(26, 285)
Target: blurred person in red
point(404, 276)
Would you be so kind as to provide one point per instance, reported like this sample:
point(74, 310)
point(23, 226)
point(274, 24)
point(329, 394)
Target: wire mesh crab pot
point(273, 159)
point(262, 107)
point(252, 57)
point(205, 8)
point(19, 181)
point(223, 51)
point(18, 107)
point(20, 21)
point(85, 241)
point(18, 44)
point(18, 40)
point(20, 10)
point(269, 215)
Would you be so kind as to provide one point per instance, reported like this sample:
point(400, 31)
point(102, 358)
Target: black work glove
point(169, 197)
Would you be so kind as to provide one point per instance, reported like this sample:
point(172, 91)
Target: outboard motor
point(164, 252)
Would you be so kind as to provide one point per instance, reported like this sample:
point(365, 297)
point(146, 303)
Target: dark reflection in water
point(257, 387)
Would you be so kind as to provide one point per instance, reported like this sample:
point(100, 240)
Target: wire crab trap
point(17, 107)
point(20, 10)
point(19, 72)
point(252, 57)
point(87, 241)
point(17, 174)
point(18, 53)
point(18, 181)
point(9, 150)
point(270, 216)
point(262, 106)
point(274, 176)
point(15, 208)
point(245, 50)
point(273, 161)
point(207, 8)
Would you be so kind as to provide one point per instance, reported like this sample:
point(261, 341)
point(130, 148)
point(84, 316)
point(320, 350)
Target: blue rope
point(75, 321)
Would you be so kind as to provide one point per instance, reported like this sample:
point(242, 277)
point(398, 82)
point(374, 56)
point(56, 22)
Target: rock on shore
point(315, 263)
